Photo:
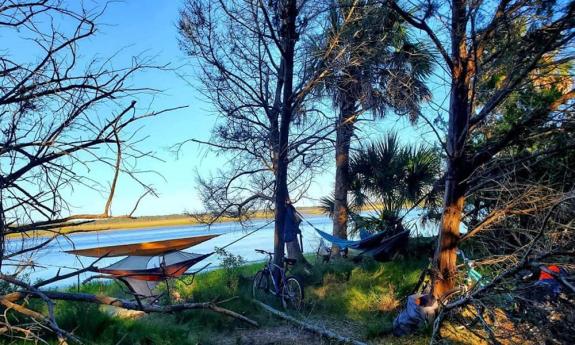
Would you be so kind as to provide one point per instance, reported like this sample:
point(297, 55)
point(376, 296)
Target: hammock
point(141, 274)
point(388, 247)
point(380, 246)
point(154, 268)
point(365, 243)
point(148, 263)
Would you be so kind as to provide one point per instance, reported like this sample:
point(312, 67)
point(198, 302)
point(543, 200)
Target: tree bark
point(455, 187)
point(344, 133)
point(289, 37)
point(446, 255)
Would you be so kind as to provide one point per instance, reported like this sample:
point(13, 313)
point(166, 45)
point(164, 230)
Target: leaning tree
point(474, 40)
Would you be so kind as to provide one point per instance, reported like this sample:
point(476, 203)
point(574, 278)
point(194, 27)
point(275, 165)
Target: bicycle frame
point(270, 267)
point(472, 275)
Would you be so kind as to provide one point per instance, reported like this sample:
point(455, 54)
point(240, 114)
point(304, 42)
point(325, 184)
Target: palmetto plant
point(389, 177)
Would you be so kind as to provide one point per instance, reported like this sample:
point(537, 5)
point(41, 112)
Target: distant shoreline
point(150, 222)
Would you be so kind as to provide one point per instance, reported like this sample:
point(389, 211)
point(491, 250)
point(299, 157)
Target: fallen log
point(120, 303)
point(309, 327)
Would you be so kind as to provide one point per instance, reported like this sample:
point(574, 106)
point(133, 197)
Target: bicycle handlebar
point(263, 252)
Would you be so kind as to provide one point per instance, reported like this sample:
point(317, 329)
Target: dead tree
point(60, 115)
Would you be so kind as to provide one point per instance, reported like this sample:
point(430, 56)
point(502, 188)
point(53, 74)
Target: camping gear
point(388, 247)
point(323, 251)
point(419, 312)
point(148, 263)
point(144, 248)
point(547, 285)
point(381, 246)
point(291, 224)
point(143, 273)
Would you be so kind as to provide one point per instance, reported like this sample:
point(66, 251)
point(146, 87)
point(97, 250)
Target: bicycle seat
point(289, 261)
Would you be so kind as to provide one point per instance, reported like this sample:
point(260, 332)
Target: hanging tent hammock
point(148, 263)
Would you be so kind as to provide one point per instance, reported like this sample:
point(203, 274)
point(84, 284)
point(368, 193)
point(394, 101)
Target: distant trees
point(492, 53)
point(258, 79)
point(376, 67)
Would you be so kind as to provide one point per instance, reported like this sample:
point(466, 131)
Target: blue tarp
point(381, 246)
point(342, 244)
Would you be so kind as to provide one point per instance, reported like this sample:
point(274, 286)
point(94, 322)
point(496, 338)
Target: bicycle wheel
point(292, 294)
point(261, 285)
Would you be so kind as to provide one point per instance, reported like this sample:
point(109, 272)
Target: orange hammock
point(146, 264)
point(143, 249)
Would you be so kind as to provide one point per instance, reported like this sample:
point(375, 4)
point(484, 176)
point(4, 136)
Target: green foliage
point(394, 176)
point(365, 295)
point(368, 294)
point(231, 265)
point(98, 325)
point(372, 59)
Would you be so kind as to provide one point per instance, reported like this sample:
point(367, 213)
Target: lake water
point(51, 258)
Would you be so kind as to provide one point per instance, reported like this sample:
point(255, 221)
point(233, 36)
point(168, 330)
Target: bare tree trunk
point(344, 133)
point(289, 37)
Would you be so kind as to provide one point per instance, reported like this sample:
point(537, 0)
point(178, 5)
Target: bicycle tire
point(261, 285)
point(292, 293)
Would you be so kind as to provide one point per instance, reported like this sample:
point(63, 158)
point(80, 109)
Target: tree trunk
point(344, 133)
point(455, 187)
point(289, 37)
point(446, 255)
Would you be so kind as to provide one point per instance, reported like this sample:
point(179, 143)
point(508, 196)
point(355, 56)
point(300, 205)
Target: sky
point(148, 28)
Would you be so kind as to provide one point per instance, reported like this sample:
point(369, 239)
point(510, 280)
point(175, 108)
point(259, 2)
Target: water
point(51, 258)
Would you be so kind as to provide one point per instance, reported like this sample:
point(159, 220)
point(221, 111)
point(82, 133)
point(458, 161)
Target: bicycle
point(272, 280)
point(473, 312)
point(469, 314)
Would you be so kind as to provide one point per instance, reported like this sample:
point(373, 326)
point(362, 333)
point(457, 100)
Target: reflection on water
point(51, 258)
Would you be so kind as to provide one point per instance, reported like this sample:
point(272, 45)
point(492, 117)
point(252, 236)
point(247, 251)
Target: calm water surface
point(52, 258)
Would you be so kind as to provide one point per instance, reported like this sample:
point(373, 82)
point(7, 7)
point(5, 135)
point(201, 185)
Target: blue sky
point(147, 27)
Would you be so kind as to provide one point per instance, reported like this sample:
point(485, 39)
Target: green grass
point(358, 300)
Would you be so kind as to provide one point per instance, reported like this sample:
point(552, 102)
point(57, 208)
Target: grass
point(358, 300)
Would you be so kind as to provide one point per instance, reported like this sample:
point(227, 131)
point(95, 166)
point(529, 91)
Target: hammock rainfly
point(380, 246)
point(148, 263)
point(143, 249)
